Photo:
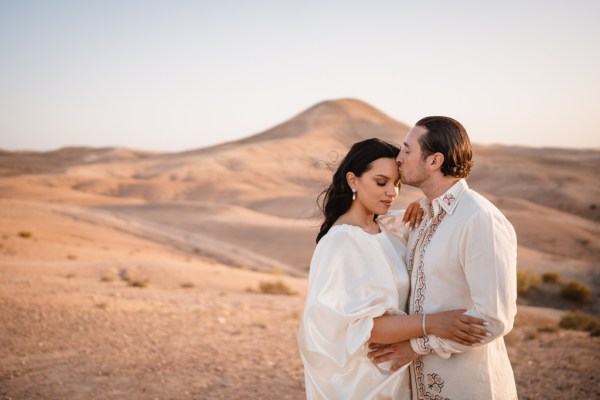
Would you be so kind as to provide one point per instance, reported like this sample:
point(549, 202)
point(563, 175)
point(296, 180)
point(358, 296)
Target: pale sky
point(178, 75)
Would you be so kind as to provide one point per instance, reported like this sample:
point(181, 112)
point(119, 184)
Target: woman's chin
point(384, 210)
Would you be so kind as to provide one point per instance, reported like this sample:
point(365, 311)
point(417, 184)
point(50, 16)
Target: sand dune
point(233, 235)
point(564, 179)
point(281, 171)
point(549, 195)
point(203, 228)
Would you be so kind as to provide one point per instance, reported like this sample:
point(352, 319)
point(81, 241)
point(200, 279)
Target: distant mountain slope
point(565, 179)
point(550, 195)
point(346, 121)
point(31, 162)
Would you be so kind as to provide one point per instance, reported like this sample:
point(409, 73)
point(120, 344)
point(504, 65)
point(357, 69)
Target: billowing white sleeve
point(348, 287)
point(394, 226)
point(489, 258)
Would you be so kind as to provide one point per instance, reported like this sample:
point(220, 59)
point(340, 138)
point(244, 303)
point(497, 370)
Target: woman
point(358, 285)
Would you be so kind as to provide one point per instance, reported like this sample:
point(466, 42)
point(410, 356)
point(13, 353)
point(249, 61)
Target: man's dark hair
point(448, 137)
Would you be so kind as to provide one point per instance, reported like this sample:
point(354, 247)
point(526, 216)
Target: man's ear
point(351, 179)
point(435, 161)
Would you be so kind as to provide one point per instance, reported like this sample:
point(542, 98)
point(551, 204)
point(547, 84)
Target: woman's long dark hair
point(337, 198)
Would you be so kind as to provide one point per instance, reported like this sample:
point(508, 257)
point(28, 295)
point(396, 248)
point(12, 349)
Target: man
point(463, 255)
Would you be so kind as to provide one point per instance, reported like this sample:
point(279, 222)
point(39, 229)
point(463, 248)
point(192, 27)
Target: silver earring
point(353, 194)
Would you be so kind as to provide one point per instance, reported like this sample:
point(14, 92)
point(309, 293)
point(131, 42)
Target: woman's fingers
point(474, 326)
point(419, 216)
point(408, 214)
point(467, 340)
point(463, 342)
point(467, 335)
point(473, 330)
point(471, 333)
point(413, 214)
point(473, 320)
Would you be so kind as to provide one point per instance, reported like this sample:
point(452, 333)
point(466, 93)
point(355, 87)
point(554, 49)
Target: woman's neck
point(359, 218)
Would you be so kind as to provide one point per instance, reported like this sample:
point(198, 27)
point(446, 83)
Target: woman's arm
point(453, 325)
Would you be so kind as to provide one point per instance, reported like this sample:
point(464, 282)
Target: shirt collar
point(446, 201)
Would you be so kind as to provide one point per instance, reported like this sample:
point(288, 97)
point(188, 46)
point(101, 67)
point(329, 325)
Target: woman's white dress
point(354, 277)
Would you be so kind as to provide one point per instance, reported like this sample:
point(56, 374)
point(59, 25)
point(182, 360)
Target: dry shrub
point(548, 328)
point(138, 282)
point(134, 281)
point(551, 277)
point(25, 234)
point(277, 287)
point(525, 280)
point(577, 292)
point(532, 334)
point(581, 321)
point(188, 285)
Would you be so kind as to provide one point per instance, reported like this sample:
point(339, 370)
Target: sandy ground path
point(66, 336)
point(78, 338)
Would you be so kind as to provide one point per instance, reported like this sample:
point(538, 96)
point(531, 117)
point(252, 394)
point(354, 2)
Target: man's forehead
point(413, 135)
point(411, 138)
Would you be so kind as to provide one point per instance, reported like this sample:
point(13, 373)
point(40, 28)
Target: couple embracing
point(410, 304)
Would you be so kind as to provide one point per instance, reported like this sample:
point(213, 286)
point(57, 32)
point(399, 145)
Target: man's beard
point(415, 180)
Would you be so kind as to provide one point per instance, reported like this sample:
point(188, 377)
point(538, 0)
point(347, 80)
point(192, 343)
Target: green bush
point(551, 277)
point(581, 321)
point(577, 292)
point(525, 280)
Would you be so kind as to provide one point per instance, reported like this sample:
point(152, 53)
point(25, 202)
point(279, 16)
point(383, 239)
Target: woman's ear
point(351, 179)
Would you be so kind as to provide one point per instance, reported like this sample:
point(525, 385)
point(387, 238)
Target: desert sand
point(127, 274)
